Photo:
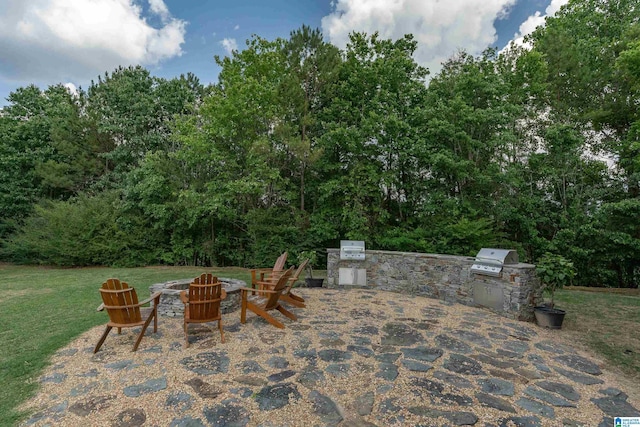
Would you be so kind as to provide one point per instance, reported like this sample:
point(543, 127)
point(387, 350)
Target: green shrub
point(312, 256)
point(84, 231)
point(554, 271)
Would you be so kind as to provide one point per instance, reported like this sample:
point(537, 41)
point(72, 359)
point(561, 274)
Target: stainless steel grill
point(489, 261)
point(352, 249)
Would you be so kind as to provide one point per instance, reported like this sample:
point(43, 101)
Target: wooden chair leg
point(186, 335)
point(102, 338)
point(269, 318)
point(266, 316)
point(155, 318)
point(119, 331)
point(254, 280)
point(295, 297)
point(289, 300)
point(221, 330)
point(286, 312)
point(144, 328)
point(243, 310)
point(272, 320)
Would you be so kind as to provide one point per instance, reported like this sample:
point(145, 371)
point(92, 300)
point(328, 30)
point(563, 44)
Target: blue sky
point(73, 41)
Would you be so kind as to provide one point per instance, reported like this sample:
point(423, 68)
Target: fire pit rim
point(171, 306)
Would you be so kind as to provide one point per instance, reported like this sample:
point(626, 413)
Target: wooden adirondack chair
point(121, 302)
point(288, 296)
point(113, 284)
point(266, 300)
point(202, 303)
point(260, 274)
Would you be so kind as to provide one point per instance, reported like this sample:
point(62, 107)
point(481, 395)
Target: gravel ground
point(353, 358)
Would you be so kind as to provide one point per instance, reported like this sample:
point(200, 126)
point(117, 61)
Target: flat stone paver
point(353, 358)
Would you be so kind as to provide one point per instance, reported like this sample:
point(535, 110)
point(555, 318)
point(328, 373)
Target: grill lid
point(502, 256)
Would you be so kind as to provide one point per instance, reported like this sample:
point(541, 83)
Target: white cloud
point(159, 8)
point(71, 88)
point(555, 6)
point(61, 40)
point(237, 27)
point(229, 45)
point(440, 27)
point(534, 21)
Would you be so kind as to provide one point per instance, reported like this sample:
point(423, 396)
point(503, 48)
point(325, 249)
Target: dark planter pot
point(313, 283)
point(548, 317)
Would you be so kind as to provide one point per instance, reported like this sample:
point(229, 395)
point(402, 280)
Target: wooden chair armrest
point(258, 272)
point(269, 276)
point(266, 285)
point(155, 296)
point(261, 270)
point(260, 291)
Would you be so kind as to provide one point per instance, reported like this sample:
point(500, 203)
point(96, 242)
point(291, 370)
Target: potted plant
point(312, 256)
point(554, 271)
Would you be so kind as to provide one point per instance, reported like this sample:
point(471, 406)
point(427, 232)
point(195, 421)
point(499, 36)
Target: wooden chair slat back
point(119, 304)
point(115, 284)
point(299, 271)
point(205, 279)
point(294, 277)
point(204, 297)
point(272, 298)
point(280, 262)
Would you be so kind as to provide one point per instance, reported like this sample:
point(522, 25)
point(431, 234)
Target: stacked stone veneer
point(446, 277)
point(171, 306)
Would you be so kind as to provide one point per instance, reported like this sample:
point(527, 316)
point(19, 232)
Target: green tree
point(370, 137)
point(311, 65)
point(73, 162)
point(43, 151)
point(233, 157)
point(590, 50)
point(475, 123)
point(589, 47)
point(18, 188)
point(133, 111)
point(581, 44)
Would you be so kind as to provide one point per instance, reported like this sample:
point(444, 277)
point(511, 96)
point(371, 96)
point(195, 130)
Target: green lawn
point(607, 322)
point(42, 309)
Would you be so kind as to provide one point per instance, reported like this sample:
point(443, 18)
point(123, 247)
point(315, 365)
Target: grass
point(607, 323)
point(43, 309)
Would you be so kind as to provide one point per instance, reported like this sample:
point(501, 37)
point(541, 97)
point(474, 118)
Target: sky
point(46, 42)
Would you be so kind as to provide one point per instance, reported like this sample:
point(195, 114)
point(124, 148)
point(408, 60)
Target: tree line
point(300, 144)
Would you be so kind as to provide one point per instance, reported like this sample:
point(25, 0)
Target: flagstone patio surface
point(354, 358)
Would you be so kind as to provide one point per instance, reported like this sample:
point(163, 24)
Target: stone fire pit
point(171, 306)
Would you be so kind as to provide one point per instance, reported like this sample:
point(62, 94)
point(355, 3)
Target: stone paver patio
point(354, 358)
